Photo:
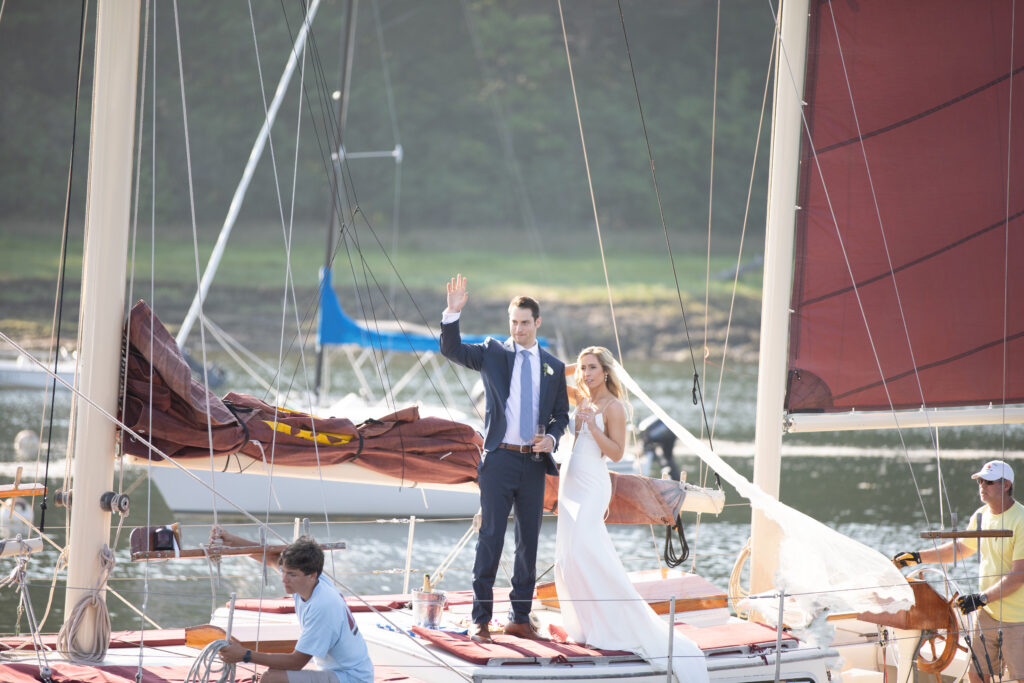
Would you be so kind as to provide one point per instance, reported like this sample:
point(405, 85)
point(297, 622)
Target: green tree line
point(476, 92)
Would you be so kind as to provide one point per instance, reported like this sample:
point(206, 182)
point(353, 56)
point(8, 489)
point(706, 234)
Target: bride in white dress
point(599, 605)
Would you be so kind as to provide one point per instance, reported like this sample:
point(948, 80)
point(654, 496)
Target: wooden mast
point(101, 317)
point(778, 277)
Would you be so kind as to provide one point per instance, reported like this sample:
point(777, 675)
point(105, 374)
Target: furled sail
point(189, 423)
point(910, 233)
point(241, 433)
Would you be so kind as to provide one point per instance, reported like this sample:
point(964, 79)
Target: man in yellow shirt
point(997, 638)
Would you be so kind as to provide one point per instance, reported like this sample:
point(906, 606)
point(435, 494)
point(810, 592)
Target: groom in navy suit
point(525, 390)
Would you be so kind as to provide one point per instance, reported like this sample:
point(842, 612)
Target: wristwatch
point(247, 657)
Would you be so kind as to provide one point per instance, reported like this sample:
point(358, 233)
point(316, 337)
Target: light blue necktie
point(526, 422)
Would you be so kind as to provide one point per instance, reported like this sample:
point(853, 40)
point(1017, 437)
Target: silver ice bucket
point(427, 607)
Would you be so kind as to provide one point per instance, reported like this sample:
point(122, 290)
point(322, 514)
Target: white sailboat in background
point(737, 650)
point(21, 373)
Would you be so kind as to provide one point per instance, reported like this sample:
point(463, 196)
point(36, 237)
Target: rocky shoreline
point(653, 330)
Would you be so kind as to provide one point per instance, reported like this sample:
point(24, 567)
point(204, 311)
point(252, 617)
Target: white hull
point(293, 496)
point(363, 494)
point(20, 373)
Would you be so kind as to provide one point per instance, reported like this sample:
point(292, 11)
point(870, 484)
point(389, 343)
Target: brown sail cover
point(186, 419)
point(943, 161)
point(636, 499)
point(402, 445)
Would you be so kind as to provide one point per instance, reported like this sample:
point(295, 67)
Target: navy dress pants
point(508, 480)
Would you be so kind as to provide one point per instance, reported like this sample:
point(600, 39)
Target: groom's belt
point(516, 447)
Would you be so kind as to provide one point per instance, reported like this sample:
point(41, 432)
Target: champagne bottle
point(426, 583)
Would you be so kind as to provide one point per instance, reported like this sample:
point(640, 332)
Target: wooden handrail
point(18, 489)
point(13, 490)
point(221, 551)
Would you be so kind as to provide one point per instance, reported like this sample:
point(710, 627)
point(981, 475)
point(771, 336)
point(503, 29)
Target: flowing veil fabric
point(599, 604)
point(845, 576)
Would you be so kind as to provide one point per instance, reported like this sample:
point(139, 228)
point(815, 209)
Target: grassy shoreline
point(567, 277)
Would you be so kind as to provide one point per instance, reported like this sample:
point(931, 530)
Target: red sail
point(940, 174)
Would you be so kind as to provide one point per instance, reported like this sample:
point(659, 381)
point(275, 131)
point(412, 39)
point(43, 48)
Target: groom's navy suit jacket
point(494, 360)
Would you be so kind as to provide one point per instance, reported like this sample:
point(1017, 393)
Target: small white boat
point(22, 373)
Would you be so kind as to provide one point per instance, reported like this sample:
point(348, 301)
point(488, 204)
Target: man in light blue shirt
point(328, 634)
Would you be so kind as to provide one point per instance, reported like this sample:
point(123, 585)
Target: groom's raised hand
point(457, 294)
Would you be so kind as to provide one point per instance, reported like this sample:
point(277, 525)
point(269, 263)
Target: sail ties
point(67, 639)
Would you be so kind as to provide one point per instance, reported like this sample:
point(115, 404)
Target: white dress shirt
point(513, 403)
point(512, 434)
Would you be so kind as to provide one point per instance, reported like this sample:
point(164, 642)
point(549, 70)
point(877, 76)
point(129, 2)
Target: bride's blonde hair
point(607, 362)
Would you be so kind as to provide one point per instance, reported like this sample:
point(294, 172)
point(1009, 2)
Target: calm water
point(874, 493)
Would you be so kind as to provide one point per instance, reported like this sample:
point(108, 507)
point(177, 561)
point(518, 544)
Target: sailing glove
point(969, 603)
point(906, 559)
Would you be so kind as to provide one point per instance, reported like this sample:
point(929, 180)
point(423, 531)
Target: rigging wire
point(672, 558)
point(390, 95)
point(326, 115)
point(286, 235)
point(1006, 266)
point(505, 137)
point(58, 309)
point(152, 295)
point(711, 194)
point(382, 367)
point(590, 182)
point(352, 235)
point(195, 244)
point(664, 224)
point(1006, 219)
point(287, 228)
point(743, 230)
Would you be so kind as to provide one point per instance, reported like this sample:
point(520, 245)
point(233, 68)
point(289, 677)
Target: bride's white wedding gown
point(599, 605)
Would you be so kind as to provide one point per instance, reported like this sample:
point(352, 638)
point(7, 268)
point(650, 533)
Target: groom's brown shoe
point(523, 631)
point(481, 634)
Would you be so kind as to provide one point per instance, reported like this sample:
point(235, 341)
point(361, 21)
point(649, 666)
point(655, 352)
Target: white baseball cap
point(994, 470)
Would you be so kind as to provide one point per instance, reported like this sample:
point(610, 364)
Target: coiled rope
point(66, 639)
point(209, 664)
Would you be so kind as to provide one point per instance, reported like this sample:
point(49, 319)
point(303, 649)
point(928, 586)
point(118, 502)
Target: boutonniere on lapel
point(547, 369)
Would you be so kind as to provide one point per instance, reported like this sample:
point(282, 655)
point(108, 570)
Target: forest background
point(477, 94)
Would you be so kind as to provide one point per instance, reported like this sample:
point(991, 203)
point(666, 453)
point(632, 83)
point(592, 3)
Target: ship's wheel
point(938, 643)
point(934, 615)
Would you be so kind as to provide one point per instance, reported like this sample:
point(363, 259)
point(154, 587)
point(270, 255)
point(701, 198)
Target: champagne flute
point(538, 436)
point(585, 407)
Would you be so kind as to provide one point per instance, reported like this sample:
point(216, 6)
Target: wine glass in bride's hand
point(584, 411)
point(538, 435)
